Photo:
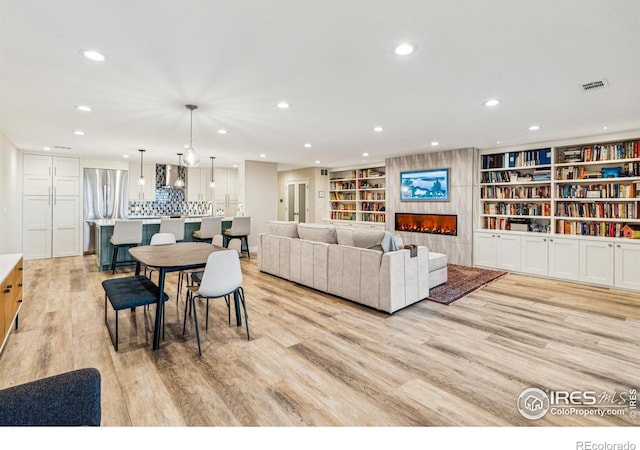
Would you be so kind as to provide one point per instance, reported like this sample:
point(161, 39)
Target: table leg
point(137, 268)
point(159, 308)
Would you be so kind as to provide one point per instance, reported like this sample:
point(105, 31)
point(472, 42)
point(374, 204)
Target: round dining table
point(173, 258)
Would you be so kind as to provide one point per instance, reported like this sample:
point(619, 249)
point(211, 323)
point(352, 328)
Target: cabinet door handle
point(9, 286)
point(6, 291)
point(618, 245)
point(544, 239)
point(610, 245)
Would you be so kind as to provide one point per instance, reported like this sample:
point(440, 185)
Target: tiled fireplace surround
point(461, 168)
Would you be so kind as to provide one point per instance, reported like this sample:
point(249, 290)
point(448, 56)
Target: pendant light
point(212, 184)
point(179, 182)
point(141, 180)
point(191, 156)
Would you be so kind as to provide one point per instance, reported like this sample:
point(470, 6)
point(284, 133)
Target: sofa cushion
point(318, 232)
point(284, 228)
point(437, 261)
point(371, 239)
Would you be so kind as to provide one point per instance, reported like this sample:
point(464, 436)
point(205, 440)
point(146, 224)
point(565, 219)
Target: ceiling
point(332, 60)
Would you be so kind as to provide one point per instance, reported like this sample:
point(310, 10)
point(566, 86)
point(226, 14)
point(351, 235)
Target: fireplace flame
point(427, 223)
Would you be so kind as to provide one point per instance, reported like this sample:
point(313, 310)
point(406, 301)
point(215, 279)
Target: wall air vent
point(594, 85)
point(61, 147)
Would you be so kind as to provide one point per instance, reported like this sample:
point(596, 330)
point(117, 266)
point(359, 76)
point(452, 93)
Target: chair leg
point(206, 326)
point(195, 319)
point(245, 242)
point(114, 258)
point(240, 293)
point(186, 304)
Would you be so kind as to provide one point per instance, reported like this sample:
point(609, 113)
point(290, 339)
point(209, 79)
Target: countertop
point(7, 263)
point(148, 221)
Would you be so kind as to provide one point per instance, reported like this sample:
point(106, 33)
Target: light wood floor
point(318, 360)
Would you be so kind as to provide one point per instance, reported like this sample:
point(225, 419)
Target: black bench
point(129, 293)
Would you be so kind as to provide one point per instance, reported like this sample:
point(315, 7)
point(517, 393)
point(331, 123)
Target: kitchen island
point(150, 226)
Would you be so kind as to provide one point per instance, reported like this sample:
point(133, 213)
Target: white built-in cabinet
point(602, 262)
point(198, 185)
point(146, 191)
point(226, 191)
point(51, 206)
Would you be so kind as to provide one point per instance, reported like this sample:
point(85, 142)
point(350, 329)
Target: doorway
point(297, 200)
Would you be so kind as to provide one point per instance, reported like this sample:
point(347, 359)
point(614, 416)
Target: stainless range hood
point(167, 175)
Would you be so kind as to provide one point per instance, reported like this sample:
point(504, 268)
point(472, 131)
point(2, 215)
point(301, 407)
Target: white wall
point(259, 193)
point(10, 198)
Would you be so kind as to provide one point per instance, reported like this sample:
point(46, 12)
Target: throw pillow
point(318, 232)
point(284, 228)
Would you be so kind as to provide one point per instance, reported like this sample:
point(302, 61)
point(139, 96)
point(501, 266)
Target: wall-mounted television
point(425, 185)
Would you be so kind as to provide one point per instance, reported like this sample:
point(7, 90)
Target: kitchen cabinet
point(147, 191)
point(226, 191)
point(51, 206)
point(596, 262)
point(198, 185)
point(564, 258)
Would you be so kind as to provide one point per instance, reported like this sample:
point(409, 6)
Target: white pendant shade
point(191, 157)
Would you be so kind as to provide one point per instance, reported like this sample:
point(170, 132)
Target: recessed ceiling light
point(491, 102)
point(317, 162)
point(534, 127)
point(93, 55)
point(235, 165)
point(605, 127)
point(284, 105)
point(79, 133)
point(307, 145)
point(262, 155)
point(365, 154)
point(84, 108)
point(46, 148)
point(377, 129)
point(221, 131)
point(435, 143)
point(125, 156)
point(404, 49)
point(497, 142)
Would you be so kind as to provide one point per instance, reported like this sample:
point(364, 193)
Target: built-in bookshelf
point(597, 188)
point(515, 190)
point(358, 195)
point(585, 190)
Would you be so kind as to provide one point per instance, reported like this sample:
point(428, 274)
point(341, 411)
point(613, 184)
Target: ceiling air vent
point(594, 85)
point(61, 147)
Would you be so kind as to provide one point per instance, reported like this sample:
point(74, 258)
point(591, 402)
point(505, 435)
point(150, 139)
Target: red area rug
point(461, 281)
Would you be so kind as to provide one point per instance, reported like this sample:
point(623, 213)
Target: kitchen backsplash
point(168, 205)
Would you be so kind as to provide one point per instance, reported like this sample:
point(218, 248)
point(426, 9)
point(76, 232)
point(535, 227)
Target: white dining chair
point(222, 278)
point(174, 226)
point(126, 233)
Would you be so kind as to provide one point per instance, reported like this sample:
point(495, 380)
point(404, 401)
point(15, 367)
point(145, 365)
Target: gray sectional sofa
point(364, 266)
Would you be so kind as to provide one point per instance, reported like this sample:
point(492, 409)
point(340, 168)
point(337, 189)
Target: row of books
point(369, 206)
point(372, 195)
point(343, 186)
point(541, 175)
point(495, 223)
point(613, 190)
point(607, 152)
point(378, 218)
point(500, 176)
point(343, 175)
point(518, 209)
point(371, 173)
point(368, 184)
point(498, 192)
point(339, 215)
point(343, 206)
point(602, 229)
point(529, 158)
point(344, 196)
point(598, 210)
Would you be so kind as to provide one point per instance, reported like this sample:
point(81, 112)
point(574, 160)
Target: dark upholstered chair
point(68, 399)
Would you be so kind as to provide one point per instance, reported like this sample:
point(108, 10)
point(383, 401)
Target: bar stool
point(173, 226)
point(209, 227)
point(127, 234)
point(240, 229)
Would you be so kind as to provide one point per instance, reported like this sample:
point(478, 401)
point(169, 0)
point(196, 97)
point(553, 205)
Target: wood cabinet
point(627, 265)
point(497, 250)
point(10, 293)
point(534, 255)
point(564, 258)
point(51, 211)
point(596, 262)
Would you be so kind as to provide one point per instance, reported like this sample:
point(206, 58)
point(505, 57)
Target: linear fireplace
point(446, 224)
